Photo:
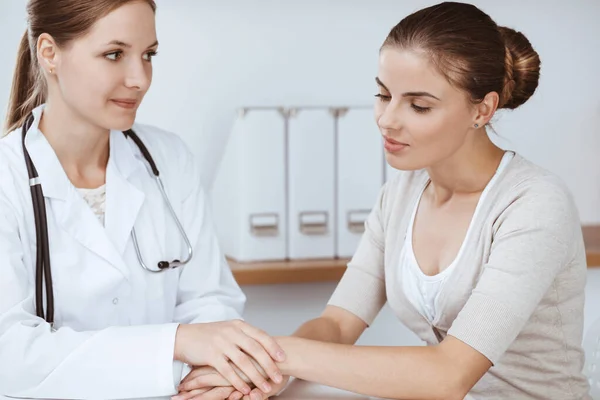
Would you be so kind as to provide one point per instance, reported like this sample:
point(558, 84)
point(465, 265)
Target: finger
point(215, 394)
point(258, 395)
point(266, 341)
point(236, 396)
point(196, 372)
point(242, 361)
point(228, 373)
point(188, 395)
point(203, 381)
point(261, 359)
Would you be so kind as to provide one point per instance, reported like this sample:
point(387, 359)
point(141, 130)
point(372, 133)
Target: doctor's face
point(423, 119)
point(104, 75)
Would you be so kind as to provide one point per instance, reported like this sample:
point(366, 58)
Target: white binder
point(311, 184)
point(360, 175)
point(249, 197)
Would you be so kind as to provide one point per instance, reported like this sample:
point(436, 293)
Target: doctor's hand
point(219, 343)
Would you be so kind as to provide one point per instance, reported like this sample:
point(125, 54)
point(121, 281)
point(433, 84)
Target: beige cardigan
point(517, 295)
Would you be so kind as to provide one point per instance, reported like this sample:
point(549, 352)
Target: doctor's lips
point(392, 145)
point(125, 103)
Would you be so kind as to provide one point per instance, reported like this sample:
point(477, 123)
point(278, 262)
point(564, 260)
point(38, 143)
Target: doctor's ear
point(47, 53)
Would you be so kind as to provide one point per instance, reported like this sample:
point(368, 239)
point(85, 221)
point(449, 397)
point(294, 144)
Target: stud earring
point(476, 126)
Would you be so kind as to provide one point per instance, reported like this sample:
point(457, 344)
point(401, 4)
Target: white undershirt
point(423, 290)
point(96, 199)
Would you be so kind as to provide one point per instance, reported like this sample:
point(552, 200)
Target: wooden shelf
point(297, 271)
point(331, 270)
point(591, 237)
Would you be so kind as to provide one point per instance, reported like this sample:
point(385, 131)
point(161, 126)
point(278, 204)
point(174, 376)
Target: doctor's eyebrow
point(123, 44)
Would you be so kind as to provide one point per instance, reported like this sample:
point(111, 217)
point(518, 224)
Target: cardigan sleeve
point(361, 290)
point(536, 237)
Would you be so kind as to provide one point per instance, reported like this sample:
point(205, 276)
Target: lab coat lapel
point(65, 203)
point(123, 199)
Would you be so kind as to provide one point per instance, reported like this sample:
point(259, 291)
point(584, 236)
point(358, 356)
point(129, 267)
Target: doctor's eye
point(114, 56)
point(149, 55)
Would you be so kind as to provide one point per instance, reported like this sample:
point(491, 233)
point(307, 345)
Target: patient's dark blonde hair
point(471, 51)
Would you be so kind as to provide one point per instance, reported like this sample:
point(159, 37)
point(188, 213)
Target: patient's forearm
point(321, 329)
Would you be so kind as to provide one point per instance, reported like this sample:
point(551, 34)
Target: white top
point(423, 290)
point(96, 199)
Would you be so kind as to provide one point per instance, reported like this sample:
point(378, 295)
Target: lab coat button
point(116, 301)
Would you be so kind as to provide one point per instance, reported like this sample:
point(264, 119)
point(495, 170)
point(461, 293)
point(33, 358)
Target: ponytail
point(27, 90)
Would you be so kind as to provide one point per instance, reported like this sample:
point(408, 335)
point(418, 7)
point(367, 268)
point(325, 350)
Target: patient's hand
point(206, 383)
point(258, 395)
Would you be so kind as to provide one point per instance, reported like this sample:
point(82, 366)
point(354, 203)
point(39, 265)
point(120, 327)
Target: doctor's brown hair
point(471, 51)
point(65, 21)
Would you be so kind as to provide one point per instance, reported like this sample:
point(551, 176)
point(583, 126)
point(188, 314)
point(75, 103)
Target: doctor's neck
point(81, 147)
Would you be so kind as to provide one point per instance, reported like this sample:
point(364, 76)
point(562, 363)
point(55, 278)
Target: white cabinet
point(311, 184)
point(297, 183)
point(249, 191)
point(360, 175)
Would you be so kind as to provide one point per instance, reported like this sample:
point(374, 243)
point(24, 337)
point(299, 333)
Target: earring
point(51, 71)
point(476, 126)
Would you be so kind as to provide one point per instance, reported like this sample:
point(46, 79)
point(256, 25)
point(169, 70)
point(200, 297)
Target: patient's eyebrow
point(408, 94)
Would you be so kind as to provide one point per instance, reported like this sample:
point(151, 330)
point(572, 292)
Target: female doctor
point(81, 210)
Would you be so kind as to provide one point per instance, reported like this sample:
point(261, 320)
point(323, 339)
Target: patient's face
point(427, 118)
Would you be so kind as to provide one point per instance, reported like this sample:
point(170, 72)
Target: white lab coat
point(115, 321)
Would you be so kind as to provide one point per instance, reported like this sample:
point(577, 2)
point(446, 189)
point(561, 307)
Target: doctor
point(114, 324)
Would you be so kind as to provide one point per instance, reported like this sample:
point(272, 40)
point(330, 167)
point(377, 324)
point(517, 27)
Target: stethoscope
point(43, 275)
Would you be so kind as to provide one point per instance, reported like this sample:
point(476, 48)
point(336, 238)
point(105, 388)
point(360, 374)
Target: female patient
point(477, 250)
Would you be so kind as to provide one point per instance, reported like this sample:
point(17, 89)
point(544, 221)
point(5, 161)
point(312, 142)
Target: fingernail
point(246, 390)
point(278, 377)
point(280, 356)
point(266, 387)
point(256, 396)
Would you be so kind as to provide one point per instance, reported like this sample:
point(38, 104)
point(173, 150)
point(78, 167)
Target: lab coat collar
point(123, 198)
point(55, 183)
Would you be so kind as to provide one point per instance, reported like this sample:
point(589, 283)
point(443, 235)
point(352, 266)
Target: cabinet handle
point(264, 224)
point(314, 222)
point(356, 220)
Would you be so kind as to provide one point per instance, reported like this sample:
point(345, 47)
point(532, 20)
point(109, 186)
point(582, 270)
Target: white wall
point(217, 55)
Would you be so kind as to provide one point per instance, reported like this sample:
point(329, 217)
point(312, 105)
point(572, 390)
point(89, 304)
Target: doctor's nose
point(138, 76)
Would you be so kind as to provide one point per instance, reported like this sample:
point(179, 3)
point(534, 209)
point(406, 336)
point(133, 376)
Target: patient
point(476, 249)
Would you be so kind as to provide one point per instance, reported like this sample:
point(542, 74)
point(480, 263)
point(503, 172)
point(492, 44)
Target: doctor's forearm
point(389, 372)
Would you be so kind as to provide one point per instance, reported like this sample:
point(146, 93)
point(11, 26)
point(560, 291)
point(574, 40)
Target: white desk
point(302, 390)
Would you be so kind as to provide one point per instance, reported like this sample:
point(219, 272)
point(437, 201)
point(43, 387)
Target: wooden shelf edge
point(296, 271)
point(271, 273)
point(593, 260)
point(331, 270)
